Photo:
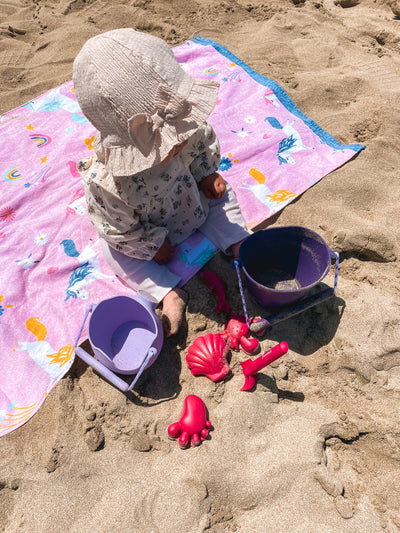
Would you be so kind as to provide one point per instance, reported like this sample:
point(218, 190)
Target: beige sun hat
point(131, 88)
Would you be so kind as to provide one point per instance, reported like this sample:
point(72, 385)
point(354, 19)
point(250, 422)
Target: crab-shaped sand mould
point(235, 335)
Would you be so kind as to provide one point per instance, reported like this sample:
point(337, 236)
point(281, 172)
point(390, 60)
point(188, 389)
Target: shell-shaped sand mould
point(207, 357)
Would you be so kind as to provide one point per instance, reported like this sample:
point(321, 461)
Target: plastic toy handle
point(88, 310)
point(149, 355)
point(109, 374)
point(335, 255)
point(302, 306)
point(271, 355)
point(101, 369)
point(251, 367)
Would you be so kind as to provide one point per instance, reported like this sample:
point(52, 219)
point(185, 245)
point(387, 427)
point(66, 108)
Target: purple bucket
point(126, 337)
point(283, 263)
point(121, 332)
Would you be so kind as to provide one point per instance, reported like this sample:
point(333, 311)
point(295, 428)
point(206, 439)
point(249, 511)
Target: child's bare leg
point(173, 309)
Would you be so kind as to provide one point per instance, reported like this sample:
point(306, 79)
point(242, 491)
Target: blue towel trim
point(281, 94)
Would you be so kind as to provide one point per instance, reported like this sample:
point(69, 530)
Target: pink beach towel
point(51, 262)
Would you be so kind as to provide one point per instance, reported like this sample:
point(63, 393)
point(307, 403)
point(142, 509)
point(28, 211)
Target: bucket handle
point(109, 374)
point(103, 370)
point(246, 316)
point(335, 255)
point(299, 308)
point(88, 310)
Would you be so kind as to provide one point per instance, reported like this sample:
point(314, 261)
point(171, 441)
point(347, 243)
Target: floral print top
point(135, 213)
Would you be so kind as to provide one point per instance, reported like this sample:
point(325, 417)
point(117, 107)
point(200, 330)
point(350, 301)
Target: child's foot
point(173, 309)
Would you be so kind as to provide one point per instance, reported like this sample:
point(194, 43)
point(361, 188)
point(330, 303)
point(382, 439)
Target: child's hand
point(213, 186)
point(165, 252)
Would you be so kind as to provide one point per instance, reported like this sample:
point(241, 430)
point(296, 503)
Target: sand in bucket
point(277, 279)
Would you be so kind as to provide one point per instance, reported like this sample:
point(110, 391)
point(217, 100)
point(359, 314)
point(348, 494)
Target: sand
point(316, 446)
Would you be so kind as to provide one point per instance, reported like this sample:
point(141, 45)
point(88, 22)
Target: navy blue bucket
point(283, 263)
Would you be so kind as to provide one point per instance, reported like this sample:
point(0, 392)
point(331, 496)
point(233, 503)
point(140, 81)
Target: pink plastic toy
point(236, 330)
point(207, 357)
point(250, 367)
point(214, 284)
point(193, 426)
point(235, 335)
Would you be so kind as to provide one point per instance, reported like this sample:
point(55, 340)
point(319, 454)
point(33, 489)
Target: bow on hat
point(167, 121)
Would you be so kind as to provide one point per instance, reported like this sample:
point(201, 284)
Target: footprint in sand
point(346, 3)
point(94, 437)
point(7, 492)
point(157, 510)
point(54, 461)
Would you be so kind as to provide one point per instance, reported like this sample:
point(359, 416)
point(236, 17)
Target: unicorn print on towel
point(260, 189)
point(77, 205)
point(289, 145)
point(264, 194)
point(40, 350)
point(270, 98)
point(88, 271)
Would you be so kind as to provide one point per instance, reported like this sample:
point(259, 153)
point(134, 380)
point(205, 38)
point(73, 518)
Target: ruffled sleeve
point(204, 150)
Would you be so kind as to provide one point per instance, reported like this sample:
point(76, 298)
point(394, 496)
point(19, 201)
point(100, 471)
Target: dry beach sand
point(316, 447)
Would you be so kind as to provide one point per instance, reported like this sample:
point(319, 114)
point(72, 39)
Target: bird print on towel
point(88, 270)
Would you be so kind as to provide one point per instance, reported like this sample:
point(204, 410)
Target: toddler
point(153, 179)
